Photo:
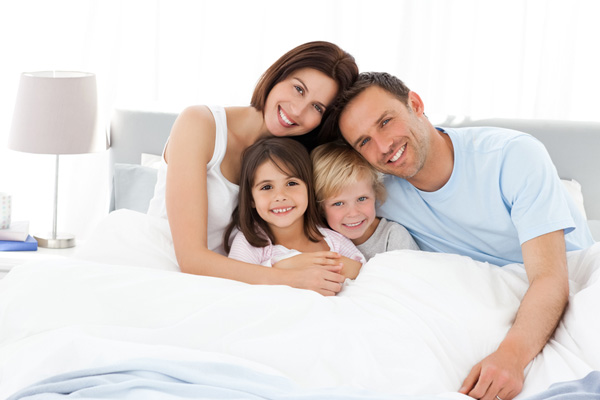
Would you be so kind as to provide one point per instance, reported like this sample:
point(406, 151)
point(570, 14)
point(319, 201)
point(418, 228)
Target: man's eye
point(385, 122)
point(363, 142)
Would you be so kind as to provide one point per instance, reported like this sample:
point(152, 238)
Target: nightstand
point(10, 259)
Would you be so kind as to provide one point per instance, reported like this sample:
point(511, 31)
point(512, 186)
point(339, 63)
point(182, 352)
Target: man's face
point(386, 132)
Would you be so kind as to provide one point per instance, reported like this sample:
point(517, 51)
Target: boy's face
point(352, 211)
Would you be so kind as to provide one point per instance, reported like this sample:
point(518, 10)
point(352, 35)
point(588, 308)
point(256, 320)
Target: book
point(18, 231)
point(29, 244)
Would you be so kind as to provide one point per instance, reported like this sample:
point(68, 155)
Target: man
point(488, 193)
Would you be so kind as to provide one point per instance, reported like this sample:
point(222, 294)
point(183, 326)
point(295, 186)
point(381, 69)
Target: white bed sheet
point(411, 323)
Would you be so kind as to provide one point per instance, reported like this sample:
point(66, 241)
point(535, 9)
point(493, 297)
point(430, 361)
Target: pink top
point(243, 251)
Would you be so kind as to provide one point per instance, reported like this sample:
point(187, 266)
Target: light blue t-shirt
point(504, 190)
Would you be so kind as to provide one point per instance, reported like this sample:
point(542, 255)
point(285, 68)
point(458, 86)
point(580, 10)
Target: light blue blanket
point(587, 388)
point(148, 379)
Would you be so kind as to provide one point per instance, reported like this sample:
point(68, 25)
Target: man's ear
point(415, 103)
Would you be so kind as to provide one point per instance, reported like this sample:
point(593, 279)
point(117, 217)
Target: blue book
point(30, 244)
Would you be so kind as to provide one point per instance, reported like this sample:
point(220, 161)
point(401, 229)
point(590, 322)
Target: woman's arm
point(190, 148)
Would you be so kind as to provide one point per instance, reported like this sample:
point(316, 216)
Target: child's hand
point(316, 259)
point(351, 267)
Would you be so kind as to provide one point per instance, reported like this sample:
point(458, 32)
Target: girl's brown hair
point(291, 158)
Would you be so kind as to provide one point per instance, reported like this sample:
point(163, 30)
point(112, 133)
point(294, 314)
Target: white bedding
point(411, 323)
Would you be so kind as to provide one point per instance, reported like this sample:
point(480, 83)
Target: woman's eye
point(299, 89)
point(318, 108)
point(337, 204)
point(266, 187)
point(293, 183)
point(362, 198)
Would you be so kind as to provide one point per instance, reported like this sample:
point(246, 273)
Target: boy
point(347, 189)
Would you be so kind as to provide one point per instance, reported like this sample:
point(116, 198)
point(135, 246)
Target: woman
point(198, 190)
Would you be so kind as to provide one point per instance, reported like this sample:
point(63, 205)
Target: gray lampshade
point(56, 113)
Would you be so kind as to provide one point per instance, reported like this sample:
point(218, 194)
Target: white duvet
point(411, 323)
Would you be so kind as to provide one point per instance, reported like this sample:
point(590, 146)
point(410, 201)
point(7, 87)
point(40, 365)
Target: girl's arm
point(190, 148)
point(352, 258)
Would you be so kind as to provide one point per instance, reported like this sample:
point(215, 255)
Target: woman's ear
point(415, 103)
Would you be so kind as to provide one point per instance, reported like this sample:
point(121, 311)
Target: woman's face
point(295, 105)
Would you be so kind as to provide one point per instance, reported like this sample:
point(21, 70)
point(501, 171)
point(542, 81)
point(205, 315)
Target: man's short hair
point(330, 130)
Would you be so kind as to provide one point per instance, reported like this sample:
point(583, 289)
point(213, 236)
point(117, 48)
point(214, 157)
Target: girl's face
point(295, 105)
point(352, 211)
point(279, 199)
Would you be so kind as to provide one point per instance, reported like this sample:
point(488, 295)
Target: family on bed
point(487, 193)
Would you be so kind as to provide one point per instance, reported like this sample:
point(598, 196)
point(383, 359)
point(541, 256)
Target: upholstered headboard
point(132, 133)
point(572, 145)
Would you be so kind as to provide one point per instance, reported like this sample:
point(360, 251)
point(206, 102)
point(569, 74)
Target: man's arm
point(501, 373)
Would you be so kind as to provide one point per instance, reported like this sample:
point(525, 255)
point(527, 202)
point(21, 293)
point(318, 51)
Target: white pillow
point(133, 186)
point(151, 160)
point(574, 189)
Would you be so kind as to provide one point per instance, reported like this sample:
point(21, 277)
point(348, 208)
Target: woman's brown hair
point(322, 56)
point(325, 57)
point(291, 158)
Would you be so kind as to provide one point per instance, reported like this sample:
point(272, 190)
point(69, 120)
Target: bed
point(118, 320)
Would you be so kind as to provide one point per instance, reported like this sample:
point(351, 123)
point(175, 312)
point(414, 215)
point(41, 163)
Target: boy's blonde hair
point(336, 165)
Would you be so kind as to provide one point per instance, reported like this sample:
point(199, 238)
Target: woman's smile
point(284, 119)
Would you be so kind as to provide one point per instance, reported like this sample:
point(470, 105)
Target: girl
point(198, 190)
point(347, 189)
point(277, 213)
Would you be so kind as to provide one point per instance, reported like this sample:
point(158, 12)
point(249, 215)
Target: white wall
point(512, 58)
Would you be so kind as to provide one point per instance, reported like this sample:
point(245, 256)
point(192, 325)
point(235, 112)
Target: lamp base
point(61, 241)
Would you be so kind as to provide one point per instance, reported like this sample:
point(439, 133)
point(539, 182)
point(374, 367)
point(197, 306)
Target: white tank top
point(222, 194)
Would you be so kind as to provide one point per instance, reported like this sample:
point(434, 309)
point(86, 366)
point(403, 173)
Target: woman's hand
point(316, 259)
point(319, 271)
point(327, 281)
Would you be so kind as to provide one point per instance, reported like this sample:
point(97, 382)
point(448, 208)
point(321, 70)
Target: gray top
point(388, 236)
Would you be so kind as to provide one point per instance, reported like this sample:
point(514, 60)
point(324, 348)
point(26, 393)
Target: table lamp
point(56, 113)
